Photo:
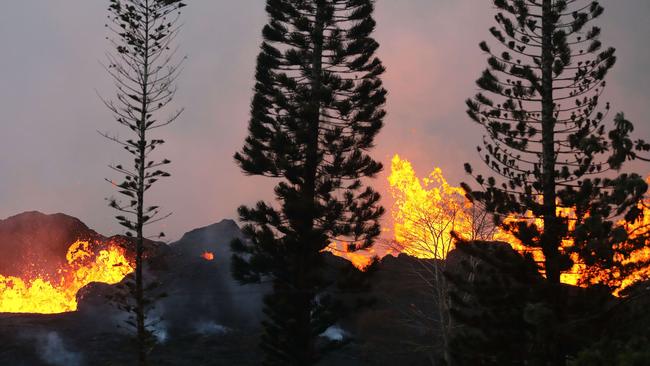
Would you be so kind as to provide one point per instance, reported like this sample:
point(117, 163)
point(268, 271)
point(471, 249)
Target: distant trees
point(143, 68)
point(547, 141)
point(316, 111)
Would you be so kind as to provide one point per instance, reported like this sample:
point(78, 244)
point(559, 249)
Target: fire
point(638, 230)
point(425, 214)
point(579, 274)
point(360, 259)
point(427, 211)
point(57, 295)
point(208, 256)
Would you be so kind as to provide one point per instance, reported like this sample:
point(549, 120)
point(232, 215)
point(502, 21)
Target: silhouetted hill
point(36, 241)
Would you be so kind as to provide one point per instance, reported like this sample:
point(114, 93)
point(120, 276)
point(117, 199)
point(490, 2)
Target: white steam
point(210, 328)
point(52, 351)
point(159, 331)
point(335, 333)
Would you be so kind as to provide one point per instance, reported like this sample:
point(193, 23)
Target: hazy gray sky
point(53, 160)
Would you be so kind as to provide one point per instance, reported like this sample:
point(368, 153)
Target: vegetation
point(548, 142)
point(557, 186)
point(316, 111)
point(143, 69)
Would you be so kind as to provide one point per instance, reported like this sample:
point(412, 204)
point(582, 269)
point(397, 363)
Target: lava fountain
point(86, 262)
point(427, 211)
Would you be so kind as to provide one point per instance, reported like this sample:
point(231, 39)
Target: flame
point(579, 274)
point(57, 295)
point(425, 214)
point(639, 229)
point(427, 211)
point(360, 259)
point(208, 256)
point(574, 275)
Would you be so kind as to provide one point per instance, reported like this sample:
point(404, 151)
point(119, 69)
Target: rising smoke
point(51, 350)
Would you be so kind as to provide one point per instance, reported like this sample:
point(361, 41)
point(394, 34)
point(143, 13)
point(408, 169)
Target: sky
point(52, 159)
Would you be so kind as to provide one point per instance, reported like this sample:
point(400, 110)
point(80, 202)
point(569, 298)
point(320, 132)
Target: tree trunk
point(550, 239)
point(139, 283)
point(308, 243)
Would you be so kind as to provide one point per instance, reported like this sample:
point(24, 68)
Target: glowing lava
point(208, 256)
point(57, 295)
point(427, 211)
point(360, 259)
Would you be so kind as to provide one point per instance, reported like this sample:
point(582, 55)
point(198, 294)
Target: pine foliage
point(317, 107)
point(548, 142)
point(143, 69)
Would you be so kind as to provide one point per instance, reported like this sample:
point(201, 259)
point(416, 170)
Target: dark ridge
point(36, 241)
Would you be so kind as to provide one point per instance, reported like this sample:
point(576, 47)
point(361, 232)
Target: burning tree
point(143, 69)
point(316, 111)
point(547, 140)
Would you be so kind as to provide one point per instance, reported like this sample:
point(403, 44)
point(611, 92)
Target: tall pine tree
point(547, 139)
point(316, 111)
point(144, 71)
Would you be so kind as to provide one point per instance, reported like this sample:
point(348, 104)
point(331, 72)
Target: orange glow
point(579, 274)
point(427, 210)
point(208, 256)
point(638, 230)
point(572, 277)
point(360, 259)
point(635, 230)
point(57, 295)
point(425, 213)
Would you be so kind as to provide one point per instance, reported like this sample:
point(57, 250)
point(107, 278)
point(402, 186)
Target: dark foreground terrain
point(205, 318)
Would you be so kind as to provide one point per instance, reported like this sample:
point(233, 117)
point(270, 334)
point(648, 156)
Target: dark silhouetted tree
point(314, 116)
point(491, 287)
point(547, 140)
point(143, 69)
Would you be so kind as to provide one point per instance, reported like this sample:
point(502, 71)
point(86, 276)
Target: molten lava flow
point(639, 229)
point(580, 274)
point(57, 295)
point(208, 256)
